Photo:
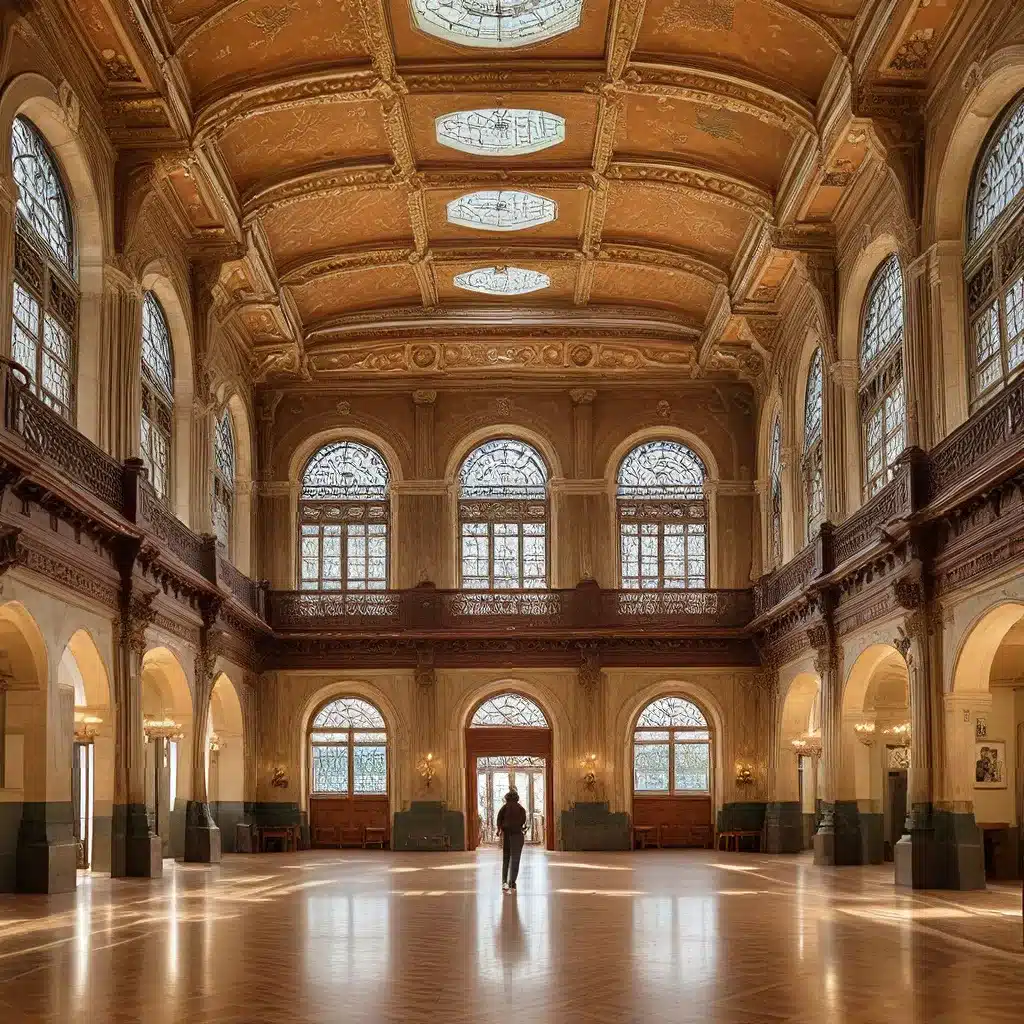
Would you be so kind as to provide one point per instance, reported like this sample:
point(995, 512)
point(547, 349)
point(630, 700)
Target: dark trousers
point(511, 851)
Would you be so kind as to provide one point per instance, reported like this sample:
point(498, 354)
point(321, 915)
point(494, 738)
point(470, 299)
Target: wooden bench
point(700, 836)
point(643, 833)
point(287, 834)
point(734, 837)
point(373, 836)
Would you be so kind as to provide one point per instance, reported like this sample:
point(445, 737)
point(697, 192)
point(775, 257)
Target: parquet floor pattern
point(656, 936)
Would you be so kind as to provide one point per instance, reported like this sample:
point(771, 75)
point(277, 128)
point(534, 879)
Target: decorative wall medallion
point(499, 131)
point(502, 281)
point(505, 210)
point(494, 24)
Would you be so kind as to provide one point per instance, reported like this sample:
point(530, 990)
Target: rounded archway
point(797, 766)
point(225, 759)
point(508, 746)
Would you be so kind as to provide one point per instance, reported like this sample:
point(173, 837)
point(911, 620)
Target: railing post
point(422, 606)
point(263, 599)
point(824, 555)
point(210, 572)
point(586, 604)
point(918, 464)
point(133, 473)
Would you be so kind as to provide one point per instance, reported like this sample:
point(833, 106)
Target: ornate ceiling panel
point(567, 223)
point(652, 286)
point(371, 288)
point(559, 291)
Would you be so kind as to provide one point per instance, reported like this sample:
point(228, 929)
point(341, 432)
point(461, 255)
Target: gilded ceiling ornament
point(500, 131)
point(718, 125)
point(502, 281)
point(702, 15)
point(271, 20)
point(505, 210)
point(486, 23)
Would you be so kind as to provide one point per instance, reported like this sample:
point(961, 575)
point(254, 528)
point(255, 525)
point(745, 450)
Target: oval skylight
point(496, 23)
point(502, 281)
point(505, 210)
point(499, 132)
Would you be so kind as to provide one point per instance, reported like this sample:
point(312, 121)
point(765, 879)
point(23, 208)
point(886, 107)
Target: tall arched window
point(509, 710)
point(348, 749)
point(775, 493)
point(671, 748)
point(223, 480)
point(883, 412)
point(663, 518)
point(994, 266)
point(45, 300)
point(157, 421)
point(343, 519)
point(503, 517)
point(813, 466)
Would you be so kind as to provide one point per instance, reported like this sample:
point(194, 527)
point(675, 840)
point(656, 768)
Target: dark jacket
point(512, 817)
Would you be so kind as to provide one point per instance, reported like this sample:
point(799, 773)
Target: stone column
point(201, 441)
point(120, 364)
point(202, 836)
point(841, 439)
point(426, 739)
point(784, 822)
point(917, 357)
point(8, 208)
point(135, 850)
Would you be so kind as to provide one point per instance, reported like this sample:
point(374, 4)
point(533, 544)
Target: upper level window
point(476, 23)
point(813, 467)
point(223, 480)
point(45, 299)
point(882, 404)
point(348, 743)
point(775, 493)
point(509, 710)
point(343, 519)
point(156, 425)
point(671, 748)
point(503, 515)
point(994, 267)
point(663, 518)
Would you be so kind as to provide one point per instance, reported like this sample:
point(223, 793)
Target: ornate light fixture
point(865, 732)
point(900, 733)
point(744, 775)
point(427, 767)
point(85, 727)
point(216, 743)
point(162, 728)
point(806, 745)
point(589, 765)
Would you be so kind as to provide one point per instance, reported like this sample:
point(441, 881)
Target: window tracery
point(503, 514)
point(994, 265)
point(486, 23)
point(813, 467)
point(504, 210)
point(223, 480)
point(45, 293)
point(671, 748)
point(156, 423)
point(663, 518)
point(882, 405)
point(509, 710)
point(348, 749)
point(500, 131)
point(775, 493)
point(344, 512)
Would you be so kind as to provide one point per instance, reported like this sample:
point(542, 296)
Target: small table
point(374, 836)
point(288, 834)
point(732, 839)
point(642, 833)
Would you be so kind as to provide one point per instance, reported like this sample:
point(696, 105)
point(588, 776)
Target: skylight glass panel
point(502, 281)
point(505, 210)
point(496, 23)
point(499, 131)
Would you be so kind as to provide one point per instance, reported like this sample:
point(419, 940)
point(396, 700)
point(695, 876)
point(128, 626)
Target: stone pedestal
point(135, 851)
point(47, 855)
point(202, 836)
point(784, 827)
point(425, 827)
point(592, 826)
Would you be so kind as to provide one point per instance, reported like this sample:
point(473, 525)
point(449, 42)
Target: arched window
point(663, 518)
point(775, 493)
point(348, 749)
point(883, 412)
point(503, 516)
point(994, 266)
point(223, 480)
point(671, 748)
point(343, 519)
point(156, 425)
point(813, 468)
point(509, 710)
point(45, 300)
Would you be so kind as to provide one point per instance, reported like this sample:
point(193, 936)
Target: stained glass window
point(490, 24)
point(500, 131)
point(502, 281)
point(504, 210)
point(156, 425)
point(813, 462)
point(663, 518)
point(45, 294)
point(349, 749)
point(994, 267)
point(671, 748)
point(344, 513)
point(510, 709)
point(503, 514)
point(775, 493)
point(223, 480)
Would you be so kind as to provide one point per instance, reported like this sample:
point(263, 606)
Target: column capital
point(117, 276)
point(583, 396)
point(424, 396)
point(845, 372)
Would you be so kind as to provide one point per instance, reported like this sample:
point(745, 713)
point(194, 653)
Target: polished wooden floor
point(618, 938)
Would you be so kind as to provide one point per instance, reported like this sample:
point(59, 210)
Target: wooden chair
point(285, 833)
point(375, 836)
point(733, 838)
point(325, 835)
point(642, 833)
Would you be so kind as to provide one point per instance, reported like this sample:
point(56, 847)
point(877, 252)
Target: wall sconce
point(215, 743)
point(427, 767)
point(744, 775)
point(589, 764)
point(900, 733)
point(85, 727)
point(279, 779)
point(865, 732)
point(162, 728)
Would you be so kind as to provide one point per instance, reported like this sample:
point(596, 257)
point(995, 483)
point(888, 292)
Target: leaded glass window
point(156, 424)
point(509, 710)
point(223, 480)
point(663, 518)
point(775, 493)
point(499, 131)
point(344, 513)
point(882, 406)
point(45, 299)
point(489, 24)
point(994, 266)
point(671, 748)
point(503, 516)
point(812, 462)
point(503, 280)
point(505, 210)
point(348, 749)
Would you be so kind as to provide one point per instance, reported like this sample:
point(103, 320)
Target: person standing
point(512, 825)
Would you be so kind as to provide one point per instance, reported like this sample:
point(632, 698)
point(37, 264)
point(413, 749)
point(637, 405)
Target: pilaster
point(918, 369)
point(841, 438)
point(424, 404)
point(121, 352)
point(8, 208)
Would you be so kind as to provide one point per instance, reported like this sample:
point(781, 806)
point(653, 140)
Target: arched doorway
point(508, 746)
point(348, 774)
point(672, 772)
point(225, 760)
point(799, 758)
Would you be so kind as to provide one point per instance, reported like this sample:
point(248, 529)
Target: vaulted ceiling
point(707, 146)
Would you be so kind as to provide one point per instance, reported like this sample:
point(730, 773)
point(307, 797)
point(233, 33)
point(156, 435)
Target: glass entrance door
point(495, 776)
point(82, 799)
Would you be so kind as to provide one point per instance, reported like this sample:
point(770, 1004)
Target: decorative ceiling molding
point(331, 181)
point(626, 17)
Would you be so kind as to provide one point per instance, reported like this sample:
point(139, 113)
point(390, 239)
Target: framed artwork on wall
point(990, 764)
